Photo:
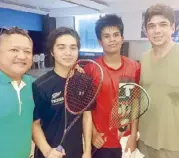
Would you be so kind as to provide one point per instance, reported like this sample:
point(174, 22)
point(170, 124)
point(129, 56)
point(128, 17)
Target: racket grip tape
point(59, 148)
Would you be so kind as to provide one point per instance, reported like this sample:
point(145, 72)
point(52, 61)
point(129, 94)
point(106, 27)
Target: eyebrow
point(15, 46)
point(28, 48)
point(116, 33)
point(163, 22)
point(109, 33)
point(60, 45)
point(65, 45)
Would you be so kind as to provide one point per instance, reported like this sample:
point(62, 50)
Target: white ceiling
point(136, 5)
point(75, 7)
point(48, 4)
point(54, 7)
point(37, 6)
point(118, 6)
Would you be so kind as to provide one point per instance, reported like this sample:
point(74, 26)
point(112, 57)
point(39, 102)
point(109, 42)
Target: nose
point(68, 51)
point(157, 29)
point(112, 38)
point(21, 55)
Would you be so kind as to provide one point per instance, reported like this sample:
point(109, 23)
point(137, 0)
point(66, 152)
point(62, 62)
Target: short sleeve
point(91, 107)
point(137, 75)
point(89, 69)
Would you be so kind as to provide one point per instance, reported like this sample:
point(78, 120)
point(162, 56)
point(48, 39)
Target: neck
point(161, 51)
point(18, 82)
point(17, 79)
point(113, 60)
point(61, 70)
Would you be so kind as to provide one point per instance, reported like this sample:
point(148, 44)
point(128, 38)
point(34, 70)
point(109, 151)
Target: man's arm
point(39, 138)
point(132, 141)
point(97, 138)
point(87, 131)
point(41, 142)
point(37, 132)
point(135, 123)
point(134, 128)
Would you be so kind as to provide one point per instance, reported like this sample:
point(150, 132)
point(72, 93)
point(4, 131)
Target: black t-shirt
point(48, 92)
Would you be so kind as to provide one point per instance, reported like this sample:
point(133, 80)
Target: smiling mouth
point(68, 59)
point(158, 37)
point(21, 64)
point(113, 45)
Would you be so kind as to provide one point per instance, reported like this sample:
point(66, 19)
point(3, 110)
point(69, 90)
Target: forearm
point(39, 138)
point(134, 127)
point(87, 130)
point(135, 113)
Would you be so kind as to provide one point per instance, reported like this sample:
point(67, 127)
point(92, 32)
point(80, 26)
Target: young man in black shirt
point(49, 113)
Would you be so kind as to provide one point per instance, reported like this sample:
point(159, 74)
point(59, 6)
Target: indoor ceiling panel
point(47, 4)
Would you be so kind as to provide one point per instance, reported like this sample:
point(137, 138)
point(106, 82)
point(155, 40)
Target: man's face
point(65, 51)
point(111, 40)
point(159, 30)
point(15, 55)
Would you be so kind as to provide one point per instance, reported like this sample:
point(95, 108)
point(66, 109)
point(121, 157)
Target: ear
point(146, 33)
point(122, 39)
point(144, 30)
point(173, 28)
point(52, 54)
point(100, 42)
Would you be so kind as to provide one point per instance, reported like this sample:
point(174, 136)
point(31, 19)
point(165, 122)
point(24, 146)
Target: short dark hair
point(60, 32)
point(15, 30)
point(159, 9)
point(109, 20)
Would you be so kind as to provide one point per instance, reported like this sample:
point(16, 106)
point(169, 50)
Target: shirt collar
point(6, 79)
point(18, 87)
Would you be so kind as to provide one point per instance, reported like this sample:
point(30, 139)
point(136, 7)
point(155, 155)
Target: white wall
point(68, 21)
point(138, 48)
point(132, 33)
point(132, 25)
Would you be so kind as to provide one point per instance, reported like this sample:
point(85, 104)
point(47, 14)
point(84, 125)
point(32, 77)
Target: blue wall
point(24, 20)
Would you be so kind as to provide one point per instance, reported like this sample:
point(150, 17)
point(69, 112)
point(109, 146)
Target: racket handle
point(123, 129)
point(60, 148)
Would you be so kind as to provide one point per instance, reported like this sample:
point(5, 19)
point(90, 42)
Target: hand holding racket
point(81, 90)
point(54, 152)
point(131, 103)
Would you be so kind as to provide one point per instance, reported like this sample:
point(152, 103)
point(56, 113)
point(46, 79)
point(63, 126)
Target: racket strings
point(82, 89)
point(79, 98)
point(129, 105)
